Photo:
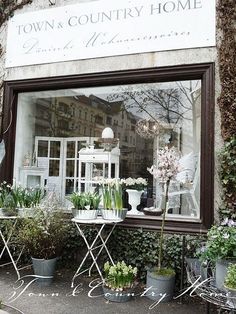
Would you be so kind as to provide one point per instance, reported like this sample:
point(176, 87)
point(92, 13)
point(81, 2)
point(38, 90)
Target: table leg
point(9, 253)
point(90, 248)
point(104, 246)
point(8, 239)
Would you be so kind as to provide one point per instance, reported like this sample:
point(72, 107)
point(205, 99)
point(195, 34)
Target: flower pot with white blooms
point(119, 282)
point(134, 188)
point(220, 249)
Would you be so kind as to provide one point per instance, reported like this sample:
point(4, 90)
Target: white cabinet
point(96, 165)
point(32, 177)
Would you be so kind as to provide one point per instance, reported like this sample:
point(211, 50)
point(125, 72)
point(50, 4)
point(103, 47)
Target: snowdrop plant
point(166, 168)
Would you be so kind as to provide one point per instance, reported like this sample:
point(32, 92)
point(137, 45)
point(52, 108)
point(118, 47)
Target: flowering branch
point(166, 169)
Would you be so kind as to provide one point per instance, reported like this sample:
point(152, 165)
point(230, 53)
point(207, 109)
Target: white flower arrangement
point(120, 276)
point(135, 184)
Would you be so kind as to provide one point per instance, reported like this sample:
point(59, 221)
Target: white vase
point(134, 201)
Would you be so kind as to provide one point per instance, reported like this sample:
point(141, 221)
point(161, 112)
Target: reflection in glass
point(69, 186)
point(70, 165)
point(55, 149)
point(70, 150)
point(144, 118)
point(54, 167)
point(42, 148)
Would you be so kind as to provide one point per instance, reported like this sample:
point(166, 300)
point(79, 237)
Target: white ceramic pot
point(134, 200)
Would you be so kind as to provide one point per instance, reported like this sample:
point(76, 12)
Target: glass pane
point(33, 181)
point(42, 148)
point(54, 168)
point(70, 168)
point(82, 169)
point(70, 150)
point(144, 118)
point(55, 147)
point(69, 186)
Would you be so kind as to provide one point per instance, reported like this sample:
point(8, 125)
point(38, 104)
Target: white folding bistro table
point(99, 225)
point(6, 239)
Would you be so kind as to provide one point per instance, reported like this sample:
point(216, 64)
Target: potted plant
point(134, 188)
point(161, 280)
point(43, 236)
point(119, 281)
point(85, 205)
point(113, 202)
point(8, 205)
point(230, 284)
point(220, 248)
point(27, 198)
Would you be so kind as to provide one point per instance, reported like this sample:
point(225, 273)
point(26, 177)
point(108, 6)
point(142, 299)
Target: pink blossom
point(167, 165)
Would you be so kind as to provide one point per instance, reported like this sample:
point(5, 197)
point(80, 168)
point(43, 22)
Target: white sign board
point(109, 28)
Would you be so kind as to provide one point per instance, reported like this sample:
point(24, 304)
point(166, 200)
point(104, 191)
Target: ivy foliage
point(226, 27)
point(140, 248)
point(227, 176)
point(7, 8)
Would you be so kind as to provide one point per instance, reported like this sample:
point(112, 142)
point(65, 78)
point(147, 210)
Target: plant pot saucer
point(152, 211)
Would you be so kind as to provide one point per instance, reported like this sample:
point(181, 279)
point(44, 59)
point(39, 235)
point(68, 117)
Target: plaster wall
point(135, 61)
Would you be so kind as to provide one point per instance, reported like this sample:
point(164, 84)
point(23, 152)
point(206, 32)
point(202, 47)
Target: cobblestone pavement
point(60, 298)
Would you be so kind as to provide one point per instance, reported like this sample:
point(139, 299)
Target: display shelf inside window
point(95, 165)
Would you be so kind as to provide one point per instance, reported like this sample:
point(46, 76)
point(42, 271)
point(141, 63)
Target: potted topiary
point(161, 280)
point(230, 284)
point(85, 205)
point(43, 236)
point(119, 281)
point(113, 201)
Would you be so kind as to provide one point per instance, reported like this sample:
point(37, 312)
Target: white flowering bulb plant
point(166, 168)
point(136, 184)
point(112, 195)
point(119, 276)
point(21, 196)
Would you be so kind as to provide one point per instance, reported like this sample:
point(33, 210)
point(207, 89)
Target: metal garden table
point(99, 225)
point(6, 244)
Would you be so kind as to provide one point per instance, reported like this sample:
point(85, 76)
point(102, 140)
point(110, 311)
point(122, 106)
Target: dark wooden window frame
point(204, 72)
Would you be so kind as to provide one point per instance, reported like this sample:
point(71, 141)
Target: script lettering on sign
point(109, 28)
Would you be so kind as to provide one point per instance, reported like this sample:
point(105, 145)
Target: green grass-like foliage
point(85, 201)
point(112, 196)
point(164, 272)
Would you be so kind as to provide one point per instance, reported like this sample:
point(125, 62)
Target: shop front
point(58, 103)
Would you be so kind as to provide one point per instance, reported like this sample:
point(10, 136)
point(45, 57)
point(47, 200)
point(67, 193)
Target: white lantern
point(107, 133)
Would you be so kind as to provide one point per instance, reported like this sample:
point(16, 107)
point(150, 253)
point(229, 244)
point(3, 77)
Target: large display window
point(58, 136)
